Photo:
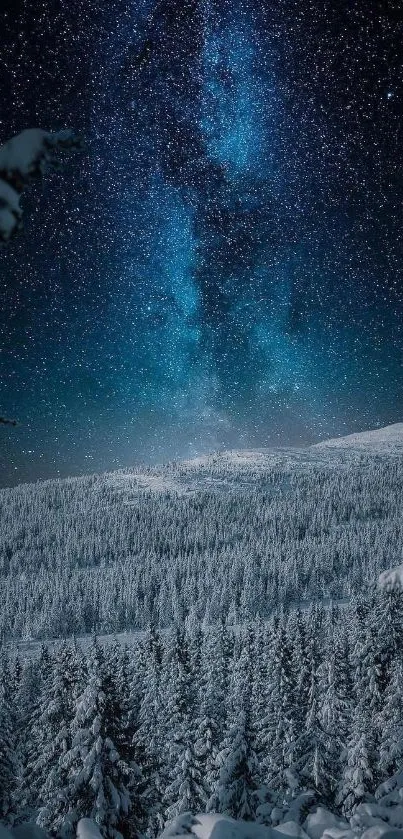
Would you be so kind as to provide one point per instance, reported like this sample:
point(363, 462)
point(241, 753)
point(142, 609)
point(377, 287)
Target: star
point(223, 264)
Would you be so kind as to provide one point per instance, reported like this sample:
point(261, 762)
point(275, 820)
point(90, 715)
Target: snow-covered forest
point(226, 537)
point(212, 648)
point(259, 723)
point(265, 682)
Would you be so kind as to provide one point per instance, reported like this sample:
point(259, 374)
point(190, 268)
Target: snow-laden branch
point(5, 421)
point(22, 159)
point(391, 579)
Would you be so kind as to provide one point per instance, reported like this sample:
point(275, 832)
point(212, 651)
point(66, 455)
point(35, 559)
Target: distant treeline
point(97, 555)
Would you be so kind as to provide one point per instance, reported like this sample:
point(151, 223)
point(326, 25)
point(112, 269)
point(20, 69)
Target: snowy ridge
point(234, 533)
point(130, 484)
point(239, 468)
point(234, 457)
point(391, 435)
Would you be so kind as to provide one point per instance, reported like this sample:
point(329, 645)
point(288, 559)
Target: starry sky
point(222, 265)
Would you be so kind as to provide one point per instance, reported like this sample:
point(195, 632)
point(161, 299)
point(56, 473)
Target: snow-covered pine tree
point(146, 722)
point(194, 637)
point(313, 753)
point(279, 732)
point(235, 792)
point(357, 779)
point(27, 687)
point(334, 715)
point(97, 779)
point(22, 159)
point(387, 623)
point(123, 687)
point(117, 682)
point(32, 698)
point(63, 685)
point(224, 635)
point(390, 724)
point(210, 719)
point(361, 764)
point(185, 790)
point(259, 699)
point(8, 754)
point(300, 669)
point(15, 675)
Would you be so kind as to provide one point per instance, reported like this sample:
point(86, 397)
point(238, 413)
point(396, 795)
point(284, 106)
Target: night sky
point(222, 265)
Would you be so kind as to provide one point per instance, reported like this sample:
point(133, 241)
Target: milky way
point(222, 264)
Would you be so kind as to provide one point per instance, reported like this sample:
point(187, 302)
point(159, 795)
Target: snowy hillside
point(257, 668)
point(232, 534)
point(390, 436)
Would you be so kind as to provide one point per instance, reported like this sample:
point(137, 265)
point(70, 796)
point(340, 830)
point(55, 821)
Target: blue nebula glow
point(239, 100)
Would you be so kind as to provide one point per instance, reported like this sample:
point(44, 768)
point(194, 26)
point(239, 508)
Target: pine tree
point(8, 756)
point(359, 775)
point(357, 779)
point(124, 687)
point(52, 726)
point(314, 755)
point(210, 721)
point(300, 668)
point(236, 790)
point(146, 728)
point(279, 732)
point(387, 627)
point(185, 789)
point(32, 698)
point(390, 724)
point(96, 778)
point(223, 636)
point(334, 714)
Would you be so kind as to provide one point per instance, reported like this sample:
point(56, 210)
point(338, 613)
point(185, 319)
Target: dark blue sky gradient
point(222, 265)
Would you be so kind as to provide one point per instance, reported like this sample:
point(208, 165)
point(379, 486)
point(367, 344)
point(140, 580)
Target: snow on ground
point(390, 435)
point(142, 481)
point(253, 457)
point(30, 649)
point(87, 829)
point(235, 457)
point(216, 826)
point(320, 824)
point(216, 471)
point(391, 578)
